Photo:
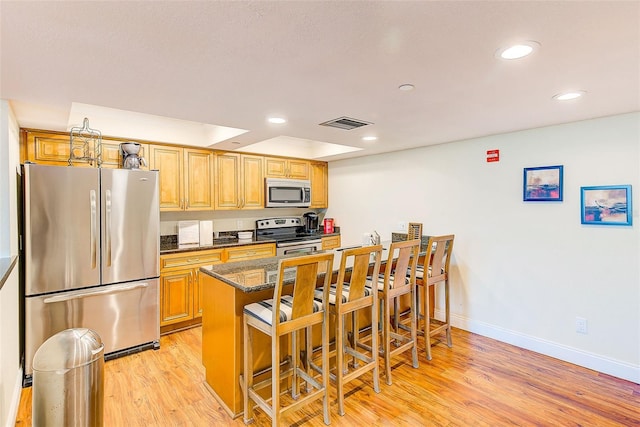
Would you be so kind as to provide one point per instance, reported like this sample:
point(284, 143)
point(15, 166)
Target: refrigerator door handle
point(83, 294)
point(108, 225)
point(94, 229)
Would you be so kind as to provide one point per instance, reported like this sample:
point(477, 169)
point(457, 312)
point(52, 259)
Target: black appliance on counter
point(290, 235)
point(310, 221)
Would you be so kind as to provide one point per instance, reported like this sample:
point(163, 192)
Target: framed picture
point(606, 205)
point(543, 184)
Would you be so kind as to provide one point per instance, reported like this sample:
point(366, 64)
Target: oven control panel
point(266, 223)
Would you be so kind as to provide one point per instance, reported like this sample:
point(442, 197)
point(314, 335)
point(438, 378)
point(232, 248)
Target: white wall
point(522, 271)
point(10, 371)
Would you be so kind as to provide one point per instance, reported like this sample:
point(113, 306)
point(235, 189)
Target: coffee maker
point(310, 222)
point(130, 158)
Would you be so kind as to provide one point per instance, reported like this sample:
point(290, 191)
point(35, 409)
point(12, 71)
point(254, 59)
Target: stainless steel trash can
point(68, 380)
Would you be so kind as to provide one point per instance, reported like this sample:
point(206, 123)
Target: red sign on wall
point(493, 156)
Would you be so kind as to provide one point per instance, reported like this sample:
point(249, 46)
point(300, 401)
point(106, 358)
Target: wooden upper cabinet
point(47, 148)
point(239, 181)
point(186, 177)
point(319, 185)
point(252, 183)
point(169, 161)
point(277, 167)
point(190, 178)
point(198, 179)
point(53, 149)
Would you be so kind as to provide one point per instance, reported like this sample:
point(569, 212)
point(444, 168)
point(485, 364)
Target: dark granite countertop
point(169, 244)
point(173, 247)
point(260, 274)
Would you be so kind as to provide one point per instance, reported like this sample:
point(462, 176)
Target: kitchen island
point(227, 288)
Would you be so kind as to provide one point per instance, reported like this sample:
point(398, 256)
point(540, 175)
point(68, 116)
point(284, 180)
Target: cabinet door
point(168, 160)
point(176, 297)
point(275, 167)
point(227, 195)
point(298, 169)
point(49, 148)
point(319, 185)
point(197, 294)
point(252, 182)
point(198, 179)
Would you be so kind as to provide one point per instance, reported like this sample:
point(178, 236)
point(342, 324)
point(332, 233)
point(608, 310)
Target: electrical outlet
point(581, 325)
point(402, 226)
point(239, 224)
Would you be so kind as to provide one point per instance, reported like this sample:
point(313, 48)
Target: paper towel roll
point(206, 233)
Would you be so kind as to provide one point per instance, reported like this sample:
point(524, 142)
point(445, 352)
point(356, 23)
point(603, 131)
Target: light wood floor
point(479, 382)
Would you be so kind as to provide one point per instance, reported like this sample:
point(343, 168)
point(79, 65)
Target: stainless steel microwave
point(287, 193)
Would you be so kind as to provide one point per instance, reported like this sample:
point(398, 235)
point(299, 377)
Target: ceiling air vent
point(345, 123)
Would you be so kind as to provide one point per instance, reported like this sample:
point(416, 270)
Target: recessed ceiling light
point(277, 120)
point(406, 87)
point(518, 51)
point(369, 138)
point(566, 96)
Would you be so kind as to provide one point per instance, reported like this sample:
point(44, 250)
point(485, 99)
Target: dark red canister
point(328, 225)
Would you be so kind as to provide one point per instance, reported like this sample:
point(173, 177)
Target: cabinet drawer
point(190, 259)
point(330, 242)
point(242, 253)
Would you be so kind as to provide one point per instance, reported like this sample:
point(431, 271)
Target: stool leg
point(295, 361)
point(386, 336)
point(414, 327)
point(339, 361)
point(374, 345)
point(427, 323)
point(248, 372)
point(275, 380)
point(325, 369)
point(447, 312)
point(309, 355)
point(355, 335)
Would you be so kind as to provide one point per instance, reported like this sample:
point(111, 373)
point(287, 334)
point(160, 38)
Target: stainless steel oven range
point(289, 234)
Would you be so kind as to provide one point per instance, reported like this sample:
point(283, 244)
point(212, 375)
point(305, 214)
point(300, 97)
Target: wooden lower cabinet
point(244, 253)
point(180, 289)
point(180, 295)
point(331, 242)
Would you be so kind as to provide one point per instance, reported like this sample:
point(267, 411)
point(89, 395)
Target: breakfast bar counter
point(226, 289)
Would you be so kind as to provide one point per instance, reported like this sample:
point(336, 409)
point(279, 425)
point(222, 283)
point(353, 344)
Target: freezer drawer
point(125, 315)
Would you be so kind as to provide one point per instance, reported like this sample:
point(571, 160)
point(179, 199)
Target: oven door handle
point(299, 243)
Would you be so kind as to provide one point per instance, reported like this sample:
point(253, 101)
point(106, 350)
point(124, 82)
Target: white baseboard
point(578, 357)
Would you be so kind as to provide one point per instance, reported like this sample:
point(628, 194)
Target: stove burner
point(285, 229)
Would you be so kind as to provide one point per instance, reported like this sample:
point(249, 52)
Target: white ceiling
point(202, 72)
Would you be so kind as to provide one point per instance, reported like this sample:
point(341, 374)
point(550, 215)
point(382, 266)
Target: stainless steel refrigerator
point(91, 256)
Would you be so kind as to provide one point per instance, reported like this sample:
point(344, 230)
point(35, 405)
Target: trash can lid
point(68, 349)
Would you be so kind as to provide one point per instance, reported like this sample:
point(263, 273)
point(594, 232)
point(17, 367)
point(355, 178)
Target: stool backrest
point(357, 260)
point(307, 268)
point(406, 261)
point(441, 248)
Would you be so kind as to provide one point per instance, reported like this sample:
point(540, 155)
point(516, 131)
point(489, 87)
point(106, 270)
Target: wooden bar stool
point(393, 284)
point(433, 271)
point(350, 295)
point(286, 315)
